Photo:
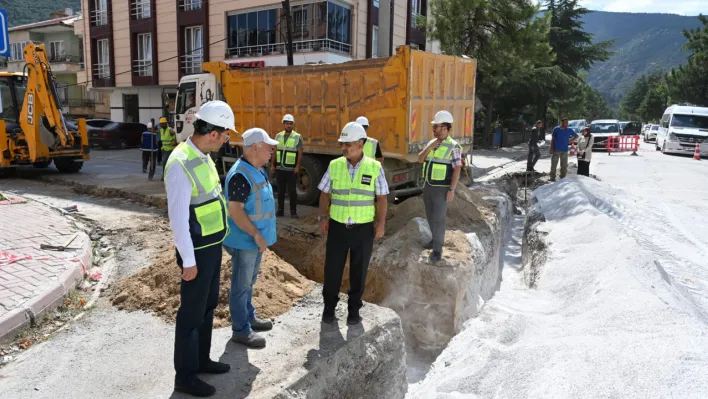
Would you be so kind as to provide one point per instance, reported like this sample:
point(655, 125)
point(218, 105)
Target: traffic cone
point(572, 149)
point(697, 154)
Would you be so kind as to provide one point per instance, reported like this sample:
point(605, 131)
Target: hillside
point(20, 12)
point(645, 43)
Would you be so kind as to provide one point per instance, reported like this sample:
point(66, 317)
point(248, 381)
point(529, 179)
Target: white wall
point(149, 101)
point(298, 59)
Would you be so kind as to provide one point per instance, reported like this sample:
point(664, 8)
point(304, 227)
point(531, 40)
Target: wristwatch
point(321, 218)
point(451, 189)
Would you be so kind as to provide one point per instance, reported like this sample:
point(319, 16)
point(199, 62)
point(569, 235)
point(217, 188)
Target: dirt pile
point(156, 288)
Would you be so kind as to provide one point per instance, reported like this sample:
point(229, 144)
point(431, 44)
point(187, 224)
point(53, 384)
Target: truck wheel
point(68, 165)
point(311, 172)
point(42, 165)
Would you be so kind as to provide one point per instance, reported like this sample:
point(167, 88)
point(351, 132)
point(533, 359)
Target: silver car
point(650, 134)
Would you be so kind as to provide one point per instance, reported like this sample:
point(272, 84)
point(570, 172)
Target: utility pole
point(289, 31)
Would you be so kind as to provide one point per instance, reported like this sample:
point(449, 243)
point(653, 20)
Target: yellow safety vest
point(370, 147)
point(286, 155)
point(353, 199)
point(207, 207)
point(437, 168)
point(167, 138)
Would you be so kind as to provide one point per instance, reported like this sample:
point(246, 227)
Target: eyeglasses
point(437, 126)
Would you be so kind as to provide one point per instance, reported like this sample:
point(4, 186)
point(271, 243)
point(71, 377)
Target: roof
point(605, 121)
point(687, 110)
point(66, 21)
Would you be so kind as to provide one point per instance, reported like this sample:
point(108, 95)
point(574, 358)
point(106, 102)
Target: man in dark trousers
point(197, 211)
point(286, 165)
point(534, 151)
point(352, 214)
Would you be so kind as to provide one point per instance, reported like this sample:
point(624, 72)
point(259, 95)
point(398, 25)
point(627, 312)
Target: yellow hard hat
point(163, 120)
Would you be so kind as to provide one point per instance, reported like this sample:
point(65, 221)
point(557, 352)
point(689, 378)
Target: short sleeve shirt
point(239, 187)
point(561, 137)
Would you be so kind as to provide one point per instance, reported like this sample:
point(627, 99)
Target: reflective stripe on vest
point(370, 147)
point(167, 138)
point(256, 189)
point(437, 168)
point(207, 206)
point(353, 199)
point(286, 154)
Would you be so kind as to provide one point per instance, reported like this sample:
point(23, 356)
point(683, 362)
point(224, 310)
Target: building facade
point(139, 49)
point(66, 58)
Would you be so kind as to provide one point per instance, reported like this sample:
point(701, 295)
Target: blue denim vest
point(260, 208)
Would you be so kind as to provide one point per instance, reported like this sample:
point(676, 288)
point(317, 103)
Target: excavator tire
point(68, 165)
point(311, 172)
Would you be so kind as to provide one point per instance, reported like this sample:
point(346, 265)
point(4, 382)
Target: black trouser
point(534, 155)
point(195, 317)
point(435, 201)
point(286, 180)
point(146, 158)
point(583, 168)
point(165, 158)
point(357, 241)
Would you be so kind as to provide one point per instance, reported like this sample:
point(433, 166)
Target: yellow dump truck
point(399, 95)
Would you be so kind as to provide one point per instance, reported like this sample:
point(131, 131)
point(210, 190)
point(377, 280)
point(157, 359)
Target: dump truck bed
point(399, 95)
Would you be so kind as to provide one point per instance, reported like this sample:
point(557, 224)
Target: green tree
point(654, 103)
point(689, 82)
point(629, 108)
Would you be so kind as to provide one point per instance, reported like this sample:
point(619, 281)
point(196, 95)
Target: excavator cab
point(33, 130)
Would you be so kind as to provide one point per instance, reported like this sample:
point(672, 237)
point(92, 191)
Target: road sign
point(4, 38)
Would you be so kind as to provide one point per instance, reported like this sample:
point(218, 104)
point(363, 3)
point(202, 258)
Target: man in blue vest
point(149, 147)
point(251, 230)
point(197, 212)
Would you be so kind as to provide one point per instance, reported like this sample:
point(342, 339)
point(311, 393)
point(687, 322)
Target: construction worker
point(148, 146)
point(372, 149)
point(197, 212)
point(352, 214)
point(169, 141)
point(442, 162)
point(251, 230)
point(286, 164)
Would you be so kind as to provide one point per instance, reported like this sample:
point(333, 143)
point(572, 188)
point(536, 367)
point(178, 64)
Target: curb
point(108, 192)
point(19, 319)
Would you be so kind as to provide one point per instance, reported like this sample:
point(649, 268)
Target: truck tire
point(42, 165)
point(68, 165)
point(311, 172)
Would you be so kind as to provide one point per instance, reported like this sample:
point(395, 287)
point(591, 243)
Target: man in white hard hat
point(197, 211)
point(442, 162)
point(372, 148)
point(286, 164)
point(251, 230)
point(352, 214)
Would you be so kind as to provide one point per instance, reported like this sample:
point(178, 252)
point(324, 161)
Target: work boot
point(280, 213)
point(435, 256)
point(353, 318)
point(261, 324)
point(211, 367)
point(251, 340)
point(328, 315)
point(293, 215)
point(428, 245)
point(197, 388)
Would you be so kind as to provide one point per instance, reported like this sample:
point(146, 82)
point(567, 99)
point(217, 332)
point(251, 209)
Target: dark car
point(117, 134)
point(73, 124)
point(631, 128)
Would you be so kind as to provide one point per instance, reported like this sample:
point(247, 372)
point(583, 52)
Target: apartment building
point(66, 58)
point(139, 49)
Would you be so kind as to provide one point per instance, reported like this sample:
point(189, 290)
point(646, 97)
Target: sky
point(682, 7)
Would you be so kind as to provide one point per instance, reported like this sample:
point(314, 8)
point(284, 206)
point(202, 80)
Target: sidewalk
point(33, 280)
point(485, 161)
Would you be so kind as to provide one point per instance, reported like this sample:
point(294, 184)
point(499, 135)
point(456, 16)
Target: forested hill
point(645, 43)
point(21, 12)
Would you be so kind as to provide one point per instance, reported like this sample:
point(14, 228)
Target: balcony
point(304, 46)
point(142, 67)
point(191, 64)
point(99, 17)
point(65, 63)
point(190, 5)
point(140, 9)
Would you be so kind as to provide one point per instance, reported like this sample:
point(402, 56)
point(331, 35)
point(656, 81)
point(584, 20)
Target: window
point(189, 5)
point(8, 112)
point(375, 42)
point(376, 3)
point(338, 23)
point(665, 121)
point(143, 65)
point(186, 97)
point(690, 121)
point(140, 9)
point(99, 14)
point(56, 51)
point(416, 11)
point(253, 33)
point(17, 51)
point(102, 59)
point(192, 59)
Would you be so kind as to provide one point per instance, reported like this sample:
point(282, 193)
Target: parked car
point(117, 134)
point(631, 128)
point(682, 128)
point(650, 135)
point(577, 125)
point(602, 129)
point(90, 123)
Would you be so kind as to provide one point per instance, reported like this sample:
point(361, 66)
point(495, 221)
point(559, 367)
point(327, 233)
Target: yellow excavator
point(36, 132)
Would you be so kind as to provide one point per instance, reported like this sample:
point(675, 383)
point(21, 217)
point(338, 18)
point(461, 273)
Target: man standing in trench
point(352, 214)
point(251, 230)
point(286, 165)
point(442, 163)
point(197, 212)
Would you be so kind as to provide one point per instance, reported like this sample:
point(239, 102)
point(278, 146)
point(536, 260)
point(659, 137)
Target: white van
point(601, 129)
point(681, 128)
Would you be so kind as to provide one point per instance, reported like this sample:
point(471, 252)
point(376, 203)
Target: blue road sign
point(4, 38)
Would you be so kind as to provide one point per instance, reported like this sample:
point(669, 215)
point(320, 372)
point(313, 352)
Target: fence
point(622, 144)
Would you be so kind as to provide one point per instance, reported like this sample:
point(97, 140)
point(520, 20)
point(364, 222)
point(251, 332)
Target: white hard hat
point(352, 132)
point(362, 121)
point(288, 118)
point(256, 135)
point(149, 125)
point(217, 113)
point(442, 117)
